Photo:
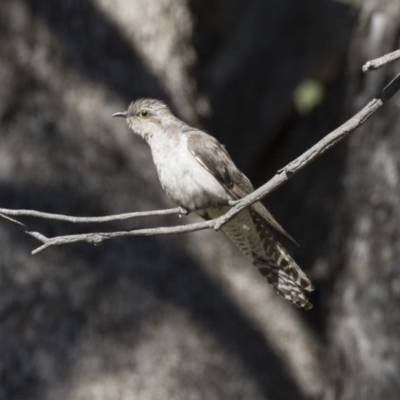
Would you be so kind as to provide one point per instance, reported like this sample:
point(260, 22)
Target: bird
point(196, 172)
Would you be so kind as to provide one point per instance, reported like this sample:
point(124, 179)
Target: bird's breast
point(185, 180)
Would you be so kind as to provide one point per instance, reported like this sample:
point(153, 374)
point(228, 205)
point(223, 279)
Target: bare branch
point(381, 61)
point(79, 220)
point(281, 177)
point(99, 237)
point(107, 218)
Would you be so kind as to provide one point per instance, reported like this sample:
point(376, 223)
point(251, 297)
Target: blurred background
point(188, 317)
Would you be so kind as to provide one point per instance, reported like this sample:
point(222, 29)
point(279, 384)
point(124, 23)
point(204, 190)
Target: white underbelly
point(188, 183)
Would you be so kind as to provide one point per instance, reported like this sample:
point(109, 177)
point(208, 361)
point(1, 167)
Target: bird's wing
point(215, 159)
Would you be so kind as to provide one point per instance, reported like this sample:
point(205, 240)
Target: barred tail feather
point(248, 231)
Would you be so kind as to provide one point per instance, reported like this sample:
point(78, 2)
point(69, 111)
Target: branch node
point(289, 170)
point(218, 224)
point(95, 239)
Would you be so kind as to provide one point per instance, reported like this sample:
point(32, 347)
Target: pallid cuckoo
point(197, 172)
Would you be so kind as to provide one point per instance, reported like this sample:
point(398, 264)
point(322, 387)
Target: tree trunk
point(365, 322)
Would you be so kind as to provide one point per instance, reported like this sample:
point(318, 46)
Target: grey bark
point(365, 323)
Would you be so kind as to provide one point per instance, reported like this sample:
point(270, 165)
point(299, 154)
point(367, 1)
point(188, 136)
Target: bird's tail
point(248, 231)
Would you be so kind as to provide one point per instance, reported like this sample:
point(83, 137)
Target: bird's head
point(146, 117)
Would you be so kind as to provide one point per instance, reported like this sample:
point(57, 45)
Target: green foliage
point(307, 95)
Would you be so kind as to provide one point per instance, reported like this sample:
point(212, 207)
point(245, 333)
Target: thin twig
point(22, 226)
point(381, 61)
point(99, 237)
point(281, 177)
point(107, 218)
point(78, 220)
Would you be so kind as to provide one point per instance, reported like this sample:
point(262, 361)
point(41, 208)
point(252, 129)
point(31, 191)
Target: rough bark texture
point(365, 323)
point(188, 317)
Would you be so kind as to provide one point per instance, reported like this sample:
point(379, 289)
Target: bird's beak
point(120, 114)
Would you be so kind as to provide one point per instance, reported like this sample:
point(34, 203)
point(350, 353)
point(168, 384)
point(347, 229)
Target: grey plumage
point(197, 172)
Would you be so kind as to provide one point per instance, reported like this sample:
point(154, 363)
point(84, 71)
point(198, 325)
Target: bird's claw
point(183, 211)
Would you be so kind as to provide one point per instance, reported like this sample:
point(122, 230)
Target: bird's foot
point(183, 211)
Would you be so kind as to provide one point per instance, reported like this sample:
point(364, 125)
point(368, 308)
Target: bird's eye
point(143, 114)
